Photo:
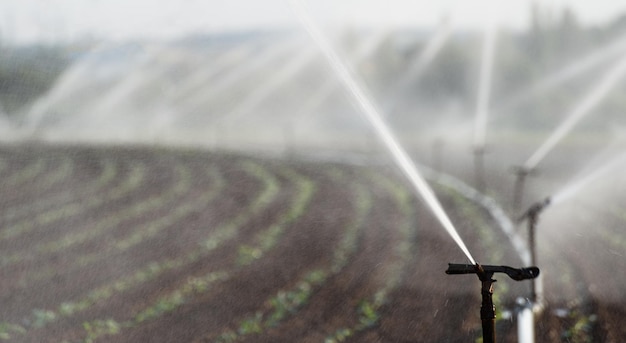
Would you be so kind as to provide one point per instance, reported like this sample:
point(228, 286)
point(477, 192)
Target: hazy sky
point(28, 20)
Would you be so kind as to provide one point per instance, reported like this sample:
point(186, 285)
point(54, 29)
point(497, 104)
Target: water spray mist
point(589, 102)
point(382, 130)
point(482, 103)
point(574, 187)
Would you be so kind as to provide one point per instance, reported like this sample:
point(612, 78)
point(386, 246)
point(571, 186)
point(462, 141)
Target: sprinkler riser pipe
point(488, 310)
point(532, 215)
point(518, 188)
point(521, 173)
point(525, 325)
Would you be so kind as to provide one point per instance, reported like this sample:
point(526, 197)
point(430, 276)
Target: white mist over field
point(518, 99)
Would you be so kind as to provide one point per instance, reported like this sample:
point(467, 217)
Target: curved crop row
point(247, 250)
point(25, 174)
point(230, 229)
point(136, 236)
point(223, 233)
point(108, 174)
point(42, 220)
point(152, 270)
point(198, 285)
point(367, 309)
point(45, 180)
point(100, 227)
point(62, 173)
point(287, 302)
point(266, 239)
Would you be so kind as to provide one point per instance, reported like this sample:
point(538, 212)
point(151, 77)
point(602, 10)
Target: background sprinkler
point(532, 215)
point(485, 275)
point(518, 189)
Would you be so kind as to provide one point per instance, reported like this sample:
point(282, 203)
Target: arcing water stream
point(262, 59)
point(595, 95)
point(330, 86)
point(383, 131)
point(484, 86)
point(592, 60)
point(573, 187)
point(418, 66)
point(252, 100)
point(200, 78)
point(482, 103)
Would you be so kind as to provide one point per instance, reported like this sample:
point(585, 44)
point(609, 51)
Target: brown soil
point(584, 303)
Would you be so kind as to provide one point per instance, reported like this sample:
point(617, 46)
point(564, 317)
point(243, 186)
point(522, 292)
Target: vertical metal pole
point(487, 309)
point(532, 215)
point(525, 321)
point(519, 188)
point(532, 225)
point(485, 275)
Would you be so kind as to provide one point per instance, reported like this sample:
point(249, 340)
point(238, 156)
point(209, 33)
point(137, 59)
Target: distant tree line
point(28, 72)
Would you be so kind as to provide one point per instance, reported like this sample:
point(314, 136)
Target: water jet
point(575, 186)
point(326, 90)
point(482, 103)
point(254, 98)
point(399, 155)
point(579, 66)
point(593, 98)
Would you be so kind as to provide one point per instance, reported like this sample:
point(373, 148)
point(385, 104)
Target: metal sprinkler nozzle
point(485, 274)
point(533, 212)
point(517, 274)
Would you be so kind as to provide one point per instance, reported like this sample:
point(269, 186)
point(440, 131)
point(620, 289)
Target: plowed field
point(154, 245)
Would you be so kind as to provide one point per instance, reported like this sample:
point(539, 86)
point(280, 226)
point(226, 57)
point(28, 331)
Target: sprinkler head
point(485, 274)
point(517, 274)
point(522, 171)
point(533, 212)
